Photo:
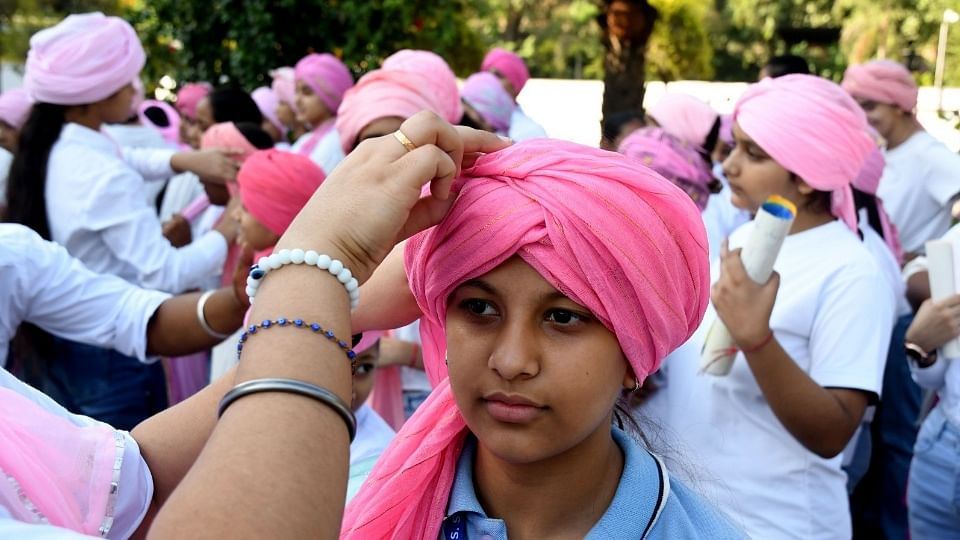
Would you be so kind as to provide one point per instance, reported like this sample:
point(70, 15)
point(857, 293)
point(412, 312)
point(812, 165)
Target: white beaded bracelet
point(311, 258)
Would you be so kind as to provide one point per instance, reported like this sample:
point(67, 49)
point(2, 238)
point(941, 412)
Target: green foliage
point(680, 47)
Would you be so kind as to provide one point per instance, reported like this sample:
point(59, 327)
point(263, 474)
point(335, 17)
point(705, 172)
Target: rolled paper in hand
point(942, 267)
point(195, 208)
point(770, 228)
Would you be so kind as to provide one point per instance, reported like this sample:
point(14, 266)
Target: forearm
point(175, 329)
point(386, 301)
point(808, 411)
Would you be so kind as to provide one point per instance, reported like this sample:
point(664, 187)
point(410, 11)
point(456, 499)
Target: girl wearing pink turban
point(284, 86)
point(321, 81)
point(512, 72)
point(486, 103)
point(811, 342)
point(268, 102)
point(538, 315)
point(689, 119)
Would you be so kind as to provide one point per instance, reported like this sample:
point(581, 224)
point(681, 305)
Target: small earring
point(636, 386)
point(446, 360)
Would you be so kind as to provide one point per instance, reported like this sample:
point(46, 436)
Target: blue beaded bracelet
point(298, 323)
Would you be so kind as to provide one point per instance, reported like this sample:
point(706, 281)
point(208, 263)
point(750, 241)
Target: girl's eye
point(364, 369)
point(565, 317)
point(479, 307)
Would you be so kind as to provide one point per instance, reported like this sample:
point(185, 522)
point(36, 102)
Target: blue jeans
point(934, 490)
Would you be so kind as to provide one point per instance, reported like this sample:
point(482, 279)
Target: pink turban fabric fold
point(883, 81)
point(605, 231)
point(226, 136)
point(726, 129)
point(275, 185)
point(509, 64)
point(686, 117)
point(867, 181)
point(674, 159)
point(15, 107)
point(284, 85)
point(267, 102)
point(484, 93)
point(327, 76)
point(83, 59)
point(812, 128)
point(382, 94)
point(437, 75)
point(171, 133)
point(190, 96)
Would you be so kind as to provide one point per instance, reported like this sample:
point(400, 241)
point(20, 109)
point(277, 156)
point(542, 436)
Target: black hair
point(230, 104)
point(157, 116)
point(785, 64)
point(255, 135)
point(612, 124)
point(26, 183)
point(710, 142)
point(862, 199)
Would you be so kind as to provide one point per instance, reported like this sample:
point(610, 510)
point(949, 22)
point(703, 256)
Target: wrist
point(414, 355)
point(179, 161)
point(756, 342)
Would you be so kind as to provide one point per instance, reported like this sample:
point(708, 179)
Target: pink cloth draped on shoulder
point(632, 249)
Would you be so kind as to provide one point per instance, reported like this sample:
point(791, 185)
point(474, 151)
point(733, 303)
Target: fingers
point(731, 264)
point(481, 142)
point(426, 164)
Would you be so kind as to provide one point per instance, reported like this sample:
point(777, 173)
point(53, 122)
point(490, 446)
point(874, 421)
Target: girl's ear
point(630, 381)
point(803, 187)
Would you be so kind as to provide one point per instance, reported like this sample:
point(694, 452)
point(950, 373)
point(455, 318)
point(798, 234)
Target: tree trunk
point(623, 77)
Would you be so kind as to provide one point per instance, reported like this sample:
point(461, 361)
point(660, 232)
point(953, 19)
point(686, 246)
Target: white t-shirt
point(833, 316)
point(327, 154)
point(41, 283)
point(919, 181)
point(140, 136)
point(887, 264)
point(522, 127)
point(96, 209)
point(412, 379)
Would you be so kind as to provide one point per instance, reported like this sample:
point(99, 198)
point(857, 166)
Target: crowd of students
point(196, 296)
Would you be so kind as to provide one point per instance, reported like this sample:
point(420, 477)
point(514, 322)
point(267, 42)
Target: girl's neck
point(806, 220)
point(84, 116)
point(563, 496)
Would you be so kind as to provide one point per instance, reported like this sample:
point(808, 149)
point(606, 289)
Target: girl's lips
point(512, 409)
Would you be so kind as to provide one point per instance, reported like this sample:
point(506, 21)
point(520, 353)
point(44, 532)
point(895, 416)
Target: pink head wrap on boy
point(632, 249)
point(884, 81)
point(484, 93)
point(685, 117)
point(437, 75)
point(83, 59)
point(509, 64)
point(190, 96)
point(15, 107)
point(327, 76)
point(275, 185)
point(674, 159)
point(812, 128)
point(267, 101)
point(382, 94)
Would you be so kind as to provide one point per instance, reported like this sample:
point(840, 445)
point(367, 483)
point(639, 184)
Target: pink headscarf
point(484, 93)
point(226, 136)
point(884, 81)
point(171, 133)
point(190, 96)
point(382, 94)
point(284, 85)
point(326, 75)
point(274, 186)
point(632, 249)
point(437, 75)
point(686, 117)
point(868, 181)
point(726, 129)
point(509, 64)
point(63, 472)
point(674, 159)
point(15, 107)
point(267, 102)
point(83, 59)
point(812, 128)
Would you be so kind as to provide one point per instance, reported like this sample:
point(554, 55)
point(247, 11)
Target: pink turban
point(15, 107)
point(686, 117)
point(883, 81)
point(605, 231)
point(267, 102)
point(484, 93)
point(83, 59)
point(438, 76)
point(726, 129)
point(812, 128)
point(226, 136)
point(275, 185)
point(284, 85)
point(326, 75)
point(382, 94)
point(190, 96)
point(171, 133)
point(509, 64)
point(672, 158)
point(867, 181)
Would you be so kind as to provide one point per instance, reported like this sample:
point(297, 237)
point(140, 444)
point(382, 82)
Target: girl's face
point(190, 132)
point(363, 379)
point(286, 115)
point(534, 373)
point(754, 176)
point(882, 117)
point(204, 115)
point(253, 232)
point(116, 108)
point(313, 111)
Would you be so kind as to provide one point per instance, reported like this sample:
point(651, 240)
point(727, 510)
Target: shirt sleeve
point(132, 232)
point(943, 180)
point(150, 163)
point(70, 301)
point(851, 331)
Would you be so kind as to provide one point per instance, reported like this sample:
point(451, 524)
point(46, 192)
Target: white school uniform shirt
point(833, 316)
point(140, 136)
point(373, 437)
point(522, 127)
point(887, 264)
point(921, 178)
point(96, 209)
point(327, 154)
point(42, 284)
point(412, 379)
point(134, 486)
